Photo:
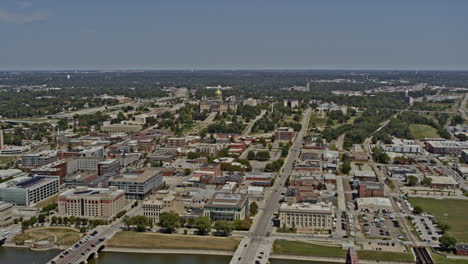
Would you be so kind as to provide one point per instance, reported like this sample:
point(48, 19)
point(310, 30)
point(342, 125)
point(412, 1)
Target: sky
point(222, 34)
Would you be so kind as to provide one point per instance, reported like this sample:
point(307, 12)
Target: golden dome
point(218, 92)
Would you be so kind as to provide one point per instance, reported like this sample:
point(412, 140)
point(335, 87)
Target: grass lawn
point(6, 159)
point(64, 235)
point(423, 131)
point(49, 200)
point(171, 241)
point(385, 255)
point(450, 211)
point(290, 247)
point(315, 119)
point(443, 260)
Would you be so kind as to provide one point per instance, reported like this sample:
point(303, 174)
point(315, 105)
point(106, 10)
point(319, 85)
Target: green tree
point(127, 221)
point(41, 218)
point(192, 155)
point(443, 226)
point(224, 227)
point(187, 171)
point(426, 181)
point(263, 155)
point(251, 155)
point(412, 180)
point(253, 208)
point(417, 210)
point(447, 242)
point(203, 224)
point(168, 221)
point(191, 222)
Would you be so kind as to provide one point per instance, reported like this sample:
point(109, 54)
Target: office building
point(6, 213)
point(34, 160)
point(138, 185)
point(227, 206)
point(307, 217)
point(57, 168)
point(108, 167)
point(82, 152)
point(163, 201)
point(91, 203)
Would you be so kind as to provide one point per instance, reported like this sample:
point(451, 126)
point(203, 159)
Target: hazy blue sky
point(218, 34)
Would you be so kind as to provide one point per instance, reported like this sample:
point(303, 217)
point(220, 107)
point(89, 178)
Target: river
point(26, 256)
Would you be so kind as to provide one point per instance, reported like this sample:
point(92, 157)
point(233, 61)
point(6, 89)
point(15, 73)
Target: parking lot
point(426, 227)
point(380, 224)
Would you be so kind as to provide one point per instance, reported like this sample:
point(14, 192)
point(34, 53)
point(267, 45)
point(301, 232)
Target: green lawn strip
point(444, 260)
point(423, 131)
point(450, 211)
point(385, 255)
point(291, 247)
point(149, 240)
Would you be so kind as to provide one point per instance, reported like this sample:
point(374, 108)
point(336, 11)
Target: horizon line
point(231, 69)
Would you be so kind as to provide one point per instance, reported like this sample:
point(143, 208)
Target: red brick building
point(370, 189)
point(208, 169)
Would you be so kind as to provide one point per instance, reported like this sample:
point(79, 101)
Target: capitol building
point(217, 104)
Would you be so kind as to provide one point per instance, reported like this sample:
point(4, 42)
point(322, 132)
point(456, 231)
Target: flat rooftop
point(92, 192)
point(307, 207)
point(27, 182)
point(227, 200)
point(136, 176)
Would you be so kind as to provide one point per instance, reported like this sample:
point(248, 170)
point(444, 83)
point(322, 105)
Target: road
point(263, 223)
point(104, 232)
point(250, 125)
point(389, 193)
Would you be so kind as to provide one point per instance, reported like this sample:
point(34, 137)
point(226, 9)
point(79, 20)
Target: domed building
point(217, 104)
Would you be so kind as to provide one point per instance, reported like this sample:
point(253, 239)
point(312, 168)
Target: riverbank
point(170, 251)
point(149, 240)
point(330, 259)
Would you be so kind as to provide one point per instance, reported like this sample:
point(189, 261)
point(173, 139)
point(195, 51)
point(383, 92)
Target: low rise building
point(307, 217)
point(27, 191)
point(284, 133)
point(11, 173)
point(446, 147)
point(213, 170)
point(371, 189)
point(443, 182)
point(365, 175)
point(227, 206)
point(402, 146)
point(92, 203)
